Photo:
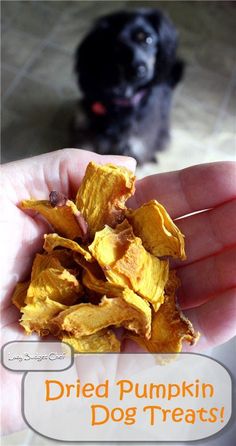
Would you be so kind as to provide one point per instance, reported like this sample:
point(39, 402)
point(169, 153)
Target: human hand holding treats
point(106, 265)
point(109, 269)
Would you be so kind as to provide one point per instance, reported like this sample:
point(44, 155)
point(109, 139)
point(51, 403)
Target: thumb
point(62, 170)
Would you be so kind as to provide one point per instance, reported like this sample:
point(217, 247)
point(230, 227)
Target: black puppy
point(126, 69)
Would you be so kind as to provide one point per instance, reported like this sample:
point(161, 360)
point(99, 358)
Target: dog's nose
point(140, 70)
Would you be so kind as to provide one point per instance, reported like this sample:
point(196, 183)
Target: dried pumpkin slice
point(169, 326)
point(51, 263)
point(94, 279)
point(103, 341)
point(52, 241)
point(129, 311)
point(64, 256)
point(172, 284)
point(57, 258)
point(137, 303)
point(58, 284)
point(110, 244)
point(95, 269)
point(37, 316)
point(159, 234)
point(54, 259)
point(102, 287)
point(102, 195)
point(126, 263)
point(64, 219)
point(20, 293)
point(42, 262)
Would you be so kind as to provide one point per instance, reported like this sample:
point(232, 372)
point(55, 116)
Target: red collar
point(98, 108)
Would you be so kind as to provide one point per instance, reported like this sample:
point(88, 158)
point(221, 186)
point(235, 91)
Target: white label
point(33, 355)
point(130, 397)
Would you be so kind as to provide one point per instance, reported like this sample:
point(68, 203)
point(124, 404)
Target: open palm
point(21, 236)
point(208, 275)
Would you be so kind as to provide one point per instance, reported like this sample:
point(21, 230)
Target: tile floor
point(39, 89)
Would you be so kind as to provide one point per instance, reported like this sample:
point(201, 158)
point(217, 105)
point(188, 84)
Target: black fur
point(126, 69)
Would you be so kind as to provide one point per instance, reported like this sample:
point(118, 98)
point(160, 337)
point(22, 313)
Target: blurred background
point(39, 94)
point(39, 90)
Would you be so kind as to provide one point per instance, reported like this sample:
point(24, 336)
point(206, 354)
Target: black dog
point(127, 68)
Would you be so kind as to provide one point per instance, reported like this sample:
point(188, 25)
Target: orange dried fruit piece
point(94, 279)
point(53, 259)
point(129, 311)
point(91, 266)
point(57, 284)
point(172, 284)
point(50, 279)
point(102, 287)
point(103, 341)
point(169, 326)
point(63, 218)
point(37, 316)
point(126, 263)
point(42, 262)
point(52, 241)
point(19, 294)
point(102, 195)
point(64, 256)
point(141, 305)
point(159, 234)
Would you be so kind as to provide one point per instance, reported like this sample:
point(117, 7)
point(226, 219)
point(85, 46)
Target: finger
point(202, 280)
point(10, 315)
point(61, 170)
point(18, 248)
point(215, 320)
point(189, 190)
point(209, 232)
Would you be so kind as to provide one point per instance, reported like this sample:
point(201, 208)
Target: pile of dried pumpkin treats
point(105, 266)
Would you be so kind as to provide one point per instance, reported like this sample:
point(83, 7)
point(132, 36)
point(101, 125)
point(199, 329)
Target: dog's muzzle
point(140, 70)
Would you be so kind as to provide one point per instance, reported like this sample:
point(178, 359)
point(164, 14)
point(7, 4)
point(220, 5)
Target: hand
point(21, 236)
point(207, 276)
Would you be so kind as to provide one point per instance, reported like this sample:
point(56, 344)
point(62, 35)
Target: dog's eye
point(143, 37)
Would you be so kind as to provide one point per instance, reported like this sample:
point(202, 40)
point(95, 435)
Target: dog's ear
point(87, 59)
point(177, 72)
point(166, 32)
point(90, 57)
point(82, 60)
point(167, 43)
